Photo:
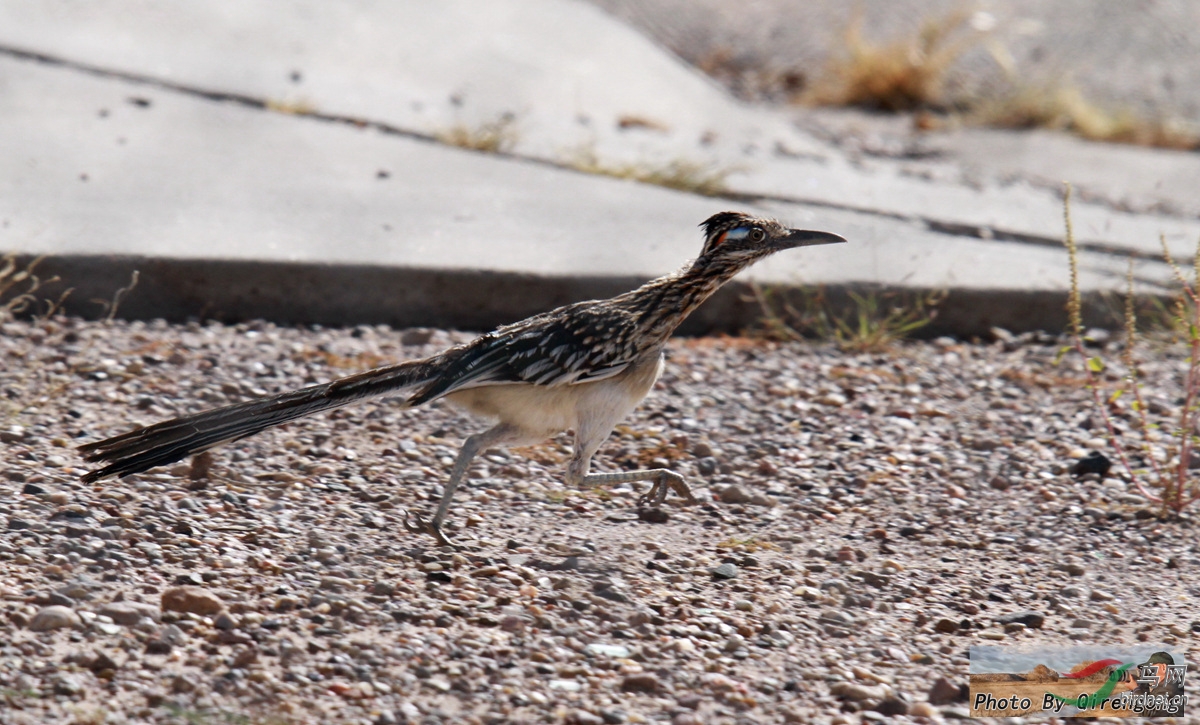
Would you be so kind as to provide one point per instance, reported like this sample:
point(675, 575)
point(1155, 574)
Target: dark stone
point(642, 682)
point(60, 599)
point(101, 663)
point(158, 647)
point(1031, 619)
point(892, 706)
point(725, 571)
point(653, 515)
point(613, 595)
point(1094, 462)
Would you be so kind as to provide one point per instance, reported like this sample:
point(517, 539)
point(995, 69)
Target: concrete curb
point(346, 295)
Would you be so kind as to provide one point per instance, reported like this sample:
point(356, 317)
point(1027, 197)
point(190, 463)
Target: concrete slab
point(230, 212)
point(575, 81)
point(269, 159)
point(565, 71)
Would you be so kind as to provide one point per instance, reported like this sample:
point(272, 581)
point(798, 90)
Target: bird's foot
point(414, 524)
point(658, 492)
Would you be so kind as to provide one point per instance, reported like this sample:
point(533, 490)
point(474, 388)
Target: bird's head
point(733, 237)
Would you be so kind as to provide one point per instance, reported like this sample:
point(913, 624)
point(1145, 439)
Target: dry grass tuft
point(497, 136)
point(1066, 108)
point(19, 289)
point(912, 73)
point(680, 174)
point(904, 74)
point(872, 322)
point(298, 107)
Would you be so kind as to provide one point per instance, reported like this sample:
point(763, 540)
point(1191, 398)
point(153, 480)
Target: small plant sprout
point(1169, 478)
point(873, 322)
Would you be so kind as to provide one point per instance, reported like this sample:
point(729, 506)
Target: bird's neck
point(700, 280)
point(672, 298)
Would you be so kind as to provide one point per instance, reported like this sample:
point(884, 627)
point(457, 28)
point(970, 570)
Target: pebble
point(892, 706)
point(735, 494)
point(336, 584)
point(608, 650)
point(653, 515)
point(1029, 618)
point(65, 683)
point(761, 499)
point(191, 600)
point(641, 682)
point(565, 685)
point(944, 692)
point(921, 709)
point(725, 571)
point(835, 584)
point(128, 613)
point(100, 662)
point(54, 616)
point(856, 692)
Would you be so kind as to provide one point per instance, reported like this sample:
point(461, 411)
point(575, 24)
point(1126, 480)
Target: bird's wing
point(574, 344)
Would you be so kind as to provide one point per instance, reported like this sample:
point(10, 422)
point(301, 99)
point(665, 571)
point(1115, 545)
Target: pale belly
point(542, 411)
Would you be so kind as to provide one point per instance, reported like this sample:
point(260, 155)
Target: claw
point(423, 526)
point(658, 492)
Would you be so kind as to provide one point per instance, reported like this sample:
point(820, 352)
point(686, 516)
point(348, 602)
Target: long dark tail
point(173, 440)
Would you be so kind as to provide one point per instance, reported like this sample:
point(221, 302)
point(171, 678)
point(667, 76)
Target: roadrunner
point(581, 367)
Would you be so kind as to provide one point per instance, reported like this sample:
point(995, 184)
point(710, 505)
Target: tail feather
point(173, 440)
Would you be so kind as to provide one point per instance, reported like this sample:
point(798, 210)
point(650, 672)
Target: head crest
point(723, 222)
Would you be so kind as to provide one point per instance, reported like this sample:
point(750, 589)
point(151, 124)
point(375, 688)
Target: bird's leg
point(470, 448)
point(663, 479)
point(586, 444)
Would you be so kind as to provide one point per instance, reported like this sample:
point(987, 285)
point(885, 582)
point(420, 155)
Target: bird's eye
point(757, 235)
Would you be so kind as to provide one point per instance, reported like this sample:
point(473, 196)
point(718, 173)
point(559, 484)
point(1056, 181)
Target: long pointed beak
point(806, 238)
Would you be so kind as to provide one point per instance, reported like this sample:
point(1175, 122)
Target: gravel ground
point(864, 520)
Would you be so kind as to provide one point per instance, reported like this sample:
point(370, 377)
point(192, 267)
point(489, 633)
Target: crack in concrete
point(971, 230)
point(261, 104)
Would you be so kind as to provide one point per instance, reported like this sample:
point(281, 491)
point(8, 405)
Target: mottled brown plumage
point(583, 366)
